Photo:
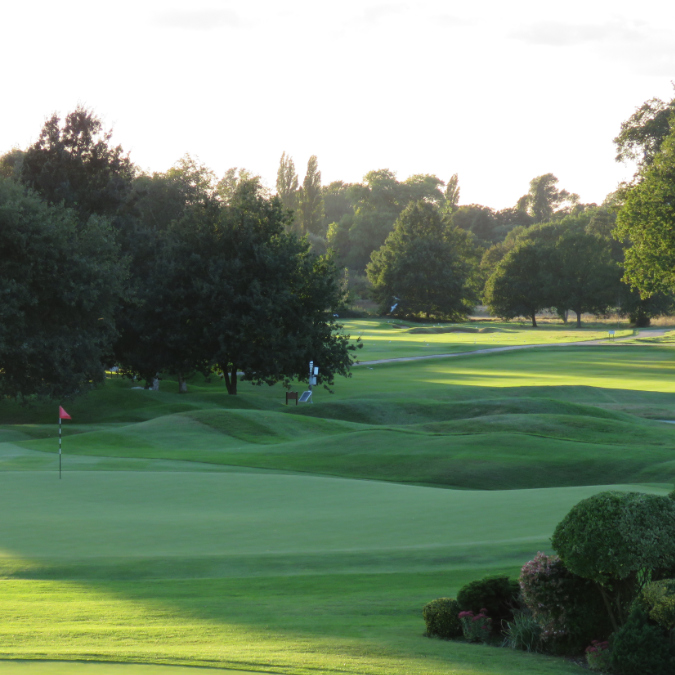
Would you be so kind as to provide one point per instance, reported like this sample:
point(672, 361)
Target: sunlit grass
point(393, 339)
point(260, 573)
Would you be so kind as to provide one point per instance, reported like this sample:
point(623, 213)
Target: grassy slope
point(165, 560)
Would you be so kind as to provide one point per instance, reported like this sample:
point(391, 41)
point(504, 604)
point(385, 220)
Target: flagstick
point(59, 447)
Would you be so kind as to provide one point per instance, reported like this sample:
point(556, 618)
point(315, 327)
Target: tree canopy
point(61, 280)
point(523, 282)
point(620, 541)
point(646, 223)
point(75, 164)
point(425, 267)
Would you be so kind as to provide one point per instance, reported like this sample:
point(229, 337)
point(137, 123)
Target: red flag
point(63, 415)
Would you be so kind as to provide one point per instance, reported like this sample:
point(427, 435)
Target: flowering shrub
point(597, 655)
point(476, 627)
point(569, 609)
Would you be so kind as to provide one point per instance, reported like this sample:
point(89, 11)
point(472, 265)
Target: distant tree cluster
point(171, 272)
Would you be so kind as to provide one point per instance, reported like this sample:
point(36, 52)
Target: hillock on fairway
point(238, 533)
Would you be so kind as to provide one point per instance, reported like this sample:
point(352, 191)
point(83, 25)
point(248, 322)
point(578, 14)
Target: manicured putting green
point(99, 523)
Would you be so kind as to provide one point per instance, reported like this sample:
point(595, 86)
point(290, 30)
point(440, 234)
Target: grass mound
point(404, 411)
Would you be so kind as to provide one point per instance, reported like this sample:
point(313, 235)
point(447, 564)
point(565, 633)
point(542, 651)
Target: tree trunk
point(231, 379)
point(534, 319)
point(182, 384)
point(578, 313)
point(608, 606)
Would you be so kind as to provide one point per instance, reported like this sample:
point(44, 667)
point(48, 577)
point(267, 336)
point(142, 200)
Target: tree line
point(182, 272)
point(174, 272)
point(428, 256)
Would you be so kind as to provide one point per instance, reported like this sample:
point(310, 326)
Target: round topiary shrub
point(639, 647)
point(441, 618)
point(498, 595)
point(613, 538)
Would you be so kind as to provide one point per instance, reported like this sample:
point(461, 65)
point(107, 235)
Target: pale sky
point(498, 91)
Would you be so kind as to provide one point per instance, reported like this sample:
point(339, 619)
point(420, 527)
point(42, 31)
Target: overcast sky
point(498, 92)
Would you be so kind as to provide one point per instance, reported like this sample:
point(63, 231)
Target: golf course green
point(210, 533)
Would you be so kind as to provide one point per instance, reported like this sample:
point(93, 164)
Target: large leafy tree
point(60, 282)
point(74, 163)
point(310, 210)
point(587, 278)
point(261, 304)
point(425, 266)
point(646, 224)
point(523, 281)
point(151, 321)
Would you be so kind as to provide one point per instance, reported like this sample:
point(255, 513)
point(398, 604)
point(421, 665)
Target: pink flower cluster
point(597, 646)
point(476, 627)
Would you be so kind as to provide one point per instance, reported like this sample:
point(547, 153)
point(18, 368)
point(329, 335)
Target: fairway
point(397, 339)
point(235, 534)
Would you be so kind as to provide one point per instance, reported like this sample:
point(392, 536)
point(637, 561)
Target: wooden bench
point(292, 395)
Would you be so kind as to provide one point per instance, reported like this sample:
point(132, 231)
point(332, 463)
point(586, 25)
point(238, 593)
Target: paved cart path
point(659, 332)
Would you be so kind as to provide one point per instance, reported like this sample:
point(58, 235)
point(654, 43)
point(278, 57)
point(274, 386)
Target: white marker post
point(63, 415)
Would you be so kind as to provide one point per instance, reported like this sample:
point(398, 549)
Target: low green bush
point(641, 648)
point(524, 632)
point(569, 609)
point(441, 618)
point(498, 596)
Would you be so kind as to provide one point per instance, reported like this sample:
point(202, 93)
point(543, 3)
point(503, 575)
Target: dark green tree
point(153, 319)
point(262, 302)
point(75, 164)
point(60, 283)
point(523, 282)
point(310, 200)
point(587, 278)
point(425, 267)
point(620, 540)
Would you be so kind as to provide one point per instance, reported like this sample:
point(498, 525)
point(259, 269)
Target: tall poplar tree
point(310, 202)
point(287, 183)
